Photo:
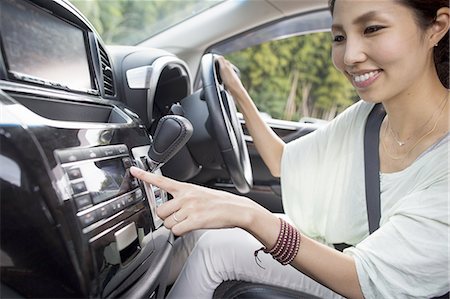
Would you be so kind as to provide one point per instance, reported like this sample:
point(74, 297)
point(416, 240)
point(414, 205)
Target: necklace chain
point(395, 134)
point(402, 157)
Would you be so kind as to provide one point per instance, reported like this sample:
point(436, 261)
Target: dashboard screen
point(42, 47)
point(106, 179)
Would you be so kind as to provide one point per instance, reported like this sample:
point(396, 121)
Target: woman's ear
point(440, 26)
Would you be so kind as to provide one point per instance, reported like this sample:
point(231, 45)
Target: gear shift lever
point(172, 133)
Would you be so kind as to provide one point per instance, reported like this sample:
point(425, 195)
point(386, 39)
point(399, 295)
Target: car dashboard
point(75, 116)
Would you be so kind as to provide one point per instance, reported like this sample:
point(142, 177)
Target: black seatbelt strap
point(371, 169)
point(372, 165)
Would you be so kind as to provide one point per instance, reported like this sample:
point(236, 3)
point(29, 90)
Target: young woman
point(394, 52)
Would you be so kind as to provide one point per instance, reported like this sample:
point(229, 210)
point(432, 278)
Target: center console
point(74, 222)
point(115, 213)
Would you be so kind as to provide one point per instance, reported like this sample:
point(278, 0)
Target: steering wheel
point(225, 125)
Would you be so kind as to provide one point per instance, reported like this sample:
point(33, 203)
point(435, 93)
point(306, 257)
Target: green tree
point(132, 21)
point(294, 77)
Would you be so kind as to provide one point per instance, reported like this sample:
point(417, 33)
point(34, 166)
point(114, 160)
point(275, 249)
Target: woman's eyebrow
point(359, 20)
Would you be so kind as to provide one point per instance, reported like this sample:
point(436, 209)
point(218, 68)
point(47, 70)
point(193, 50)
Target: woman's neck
point(416, 111)
point(414, 122)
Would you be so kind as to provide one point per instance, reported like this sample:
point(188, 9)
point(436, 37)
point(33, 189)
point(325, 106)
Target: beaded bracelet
point(286, 247)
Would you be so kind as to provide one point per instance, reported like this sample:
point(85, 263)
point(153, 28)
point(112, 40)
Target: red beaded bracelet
point(286, 247)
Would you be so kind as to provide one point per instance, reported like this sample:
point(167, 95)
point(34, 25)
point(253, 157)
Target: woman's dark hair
point(425, 11)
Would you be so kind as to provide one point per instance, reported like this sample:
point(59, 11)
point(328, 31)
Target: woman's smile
point(365, 79)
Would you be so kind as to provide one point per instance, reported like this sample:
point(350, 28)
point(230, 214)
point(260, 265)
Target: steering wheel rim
point(225, 125)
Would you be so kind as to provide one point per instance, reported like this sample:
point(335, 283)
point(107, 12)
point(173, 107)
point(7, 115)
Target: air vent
point(108, 81)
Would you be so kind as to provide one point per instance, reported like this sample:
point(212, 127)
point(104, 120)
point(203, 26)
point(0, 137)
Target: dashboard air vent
point(108, 81)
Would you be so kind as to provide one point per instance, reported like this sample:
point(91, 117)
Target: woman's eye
point(338, 38)
point(372, 29)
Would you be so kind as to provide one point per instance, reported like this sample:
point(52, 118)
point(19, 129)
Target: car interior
point(76, 113)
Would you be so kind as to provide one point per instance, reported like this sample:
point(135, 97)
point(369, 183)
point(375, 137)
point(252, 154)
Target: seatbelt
point(372, 165)
point(371, 169)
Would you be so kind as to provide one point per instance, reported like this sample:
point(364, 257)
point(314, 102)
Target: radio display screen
point(105, 179)
point(42, 48)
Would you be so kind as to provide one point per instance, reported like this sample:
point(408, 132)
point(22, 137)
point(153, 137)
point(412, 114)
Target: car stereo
point(115, 213)
point(99, 181)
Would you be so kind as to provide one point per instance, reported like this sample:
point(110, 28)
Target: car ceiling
point(189, 39)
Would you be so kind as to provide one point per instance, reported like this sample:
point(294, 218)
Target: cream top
point(322, 180)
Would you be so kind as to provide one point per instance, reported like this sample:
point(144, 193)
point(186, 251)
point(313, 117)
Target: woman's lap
point(228, 254)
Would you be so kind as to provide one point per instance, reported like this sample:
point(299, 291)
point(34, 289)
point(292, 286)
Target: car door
point(287, 69)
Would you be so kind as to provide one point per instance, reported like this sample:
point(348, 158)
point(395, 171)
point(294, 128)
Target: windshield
point(129, 22)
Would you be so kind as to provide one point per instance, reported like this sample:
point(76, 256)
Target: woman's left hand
point(195, 207)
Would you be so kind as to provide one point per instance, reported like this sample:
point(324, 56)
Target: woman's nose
point(354, 51)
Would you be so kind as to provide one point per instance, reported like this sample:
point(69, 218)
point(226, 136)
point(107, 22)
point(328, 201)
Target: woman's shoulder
point(351, 121)
point(357, 112)
point(346, 128)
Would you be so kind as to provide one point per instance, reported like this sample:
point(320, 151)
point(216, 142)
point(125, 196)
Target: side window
point(294, 78)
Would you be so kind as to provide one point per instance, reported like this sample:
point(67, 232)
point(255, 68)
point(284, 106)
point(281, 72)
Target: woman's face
point(379, 47)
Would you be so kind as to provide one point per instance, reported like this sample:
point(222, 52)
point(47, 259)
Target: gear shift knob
point(172, 133)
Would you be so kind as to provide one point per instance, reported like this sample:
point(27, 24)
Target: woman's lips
point(363, 80)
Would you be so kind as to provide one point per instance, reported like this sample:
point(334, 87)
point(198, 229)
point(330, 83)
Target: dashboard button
point(91, 153)
point(70, 156)
point(138, 193)
point(134, 183)
point(127, 162)
point(74, 173)
point(129, 198)
point(109, 151)
point(78, 187)
point(88, 218)
point(122, 149)
point(83, 201)
point(117, 206)
point(104, 212)
point(123, 202)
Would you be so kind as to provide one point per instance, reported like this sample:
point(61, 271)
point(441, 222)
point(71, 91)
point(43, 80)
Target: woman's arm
point(268, 144)
point(332, 268)
point(195, 207)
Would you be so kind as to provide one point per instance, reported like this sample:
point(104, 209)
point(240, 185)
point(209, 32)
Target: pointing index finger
point(160, 181)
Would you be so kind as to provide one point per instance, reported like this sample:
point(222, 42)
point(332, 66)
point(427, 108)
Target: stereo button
point(69, 156)
point(78, 187)
point(91, 153)
point(134, 183)
point(127, 162)
point(87, 219)
point(138, 193)
point(129, 198)
point(83, 201)
point(104, 211)
point(122, 149)
point(74, 173)
point(109, 151)
point(116, 206)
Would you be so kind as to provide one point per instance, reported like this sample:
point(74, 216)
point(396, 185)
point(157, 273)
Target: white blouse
point(322, 179)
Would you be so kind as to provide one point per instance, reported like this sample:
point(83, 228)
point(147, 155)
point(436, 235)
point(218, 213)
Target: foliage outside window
point(294, 78)
point(128, 22)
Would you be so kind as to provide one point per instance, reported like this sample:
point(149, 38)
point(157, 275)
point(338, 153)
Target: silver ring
point(175, 218)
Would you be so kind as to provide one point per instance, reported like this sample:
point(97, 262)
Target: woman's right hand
point(195, 207)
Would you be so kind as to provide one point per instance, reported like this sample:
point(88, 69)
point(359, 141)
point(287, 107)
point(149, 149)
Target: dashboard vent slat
point(108, 80)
